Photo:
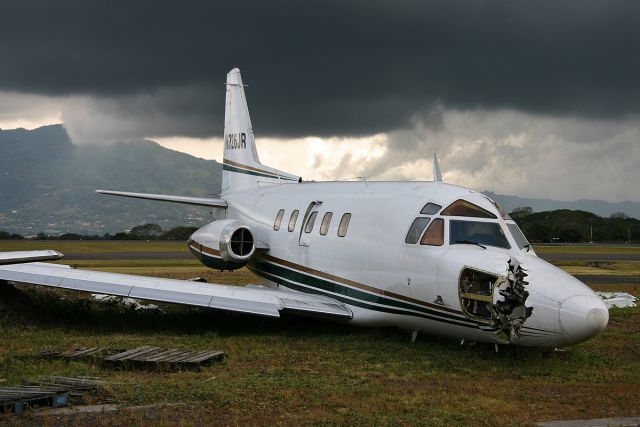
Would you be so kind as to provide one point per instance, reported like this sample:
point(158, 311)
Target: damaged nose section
point(504, 310)
point(583, 317)
point(510, 311)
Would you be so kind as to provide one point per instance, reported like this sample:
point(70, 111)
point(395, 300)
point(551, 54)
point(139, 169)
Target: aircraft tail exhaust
point(241, 167)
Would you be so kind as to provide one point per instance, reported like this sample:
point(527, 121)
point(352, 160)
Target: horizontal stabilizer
point(199, 201)
point(28, 256)
point(258, 300)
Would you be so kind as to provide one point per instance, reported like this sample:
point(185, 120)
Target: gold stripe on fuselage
point(356, 284)
point(251, 168)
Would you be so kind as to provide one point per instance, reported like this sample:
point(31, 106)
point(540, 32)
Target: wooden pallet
point(145, 357)
point(50, 391)
point(156, 357)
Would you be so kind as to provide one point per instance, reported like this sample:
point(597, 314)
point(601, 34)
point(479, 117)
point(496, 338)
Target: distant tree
point(71, 236)
point(10, 236)
point(521, 212)
point(121, 236)
point(619, 215)
point(570, 235)
point(178, 233)
point(41, 236)
point(146, 231)
point(537, 232)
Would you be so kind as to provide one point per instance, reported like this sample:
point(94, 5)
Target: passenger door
point(308, 223)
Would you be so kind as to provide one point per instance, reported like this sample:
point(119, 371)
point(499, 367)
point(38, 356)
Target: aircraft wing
point(28, 256)
point(249, 299)
point(199, 201)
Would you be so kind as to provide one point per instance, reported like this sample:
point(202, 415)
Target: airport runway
point(595, 278)
point(590, 257)
point(587, 278)
point(101, 256)
point(186, 255)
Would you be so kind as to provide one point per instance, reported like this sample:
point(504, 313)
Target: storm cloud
point(325, 67)
point(539, 98)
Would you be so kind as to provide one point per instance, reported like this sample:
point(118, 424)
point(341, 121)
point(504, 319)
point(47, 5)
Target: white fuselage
point(387, 282)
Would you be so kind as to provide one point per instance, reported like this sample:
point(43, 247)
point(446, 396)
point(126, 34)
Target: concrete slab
point(597, 422)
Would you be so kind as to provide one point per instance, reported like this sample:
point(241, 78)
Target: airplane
point(427, 257)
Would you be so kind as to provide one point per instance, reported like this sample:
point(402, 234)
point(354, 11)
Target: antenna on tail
point(437, 175)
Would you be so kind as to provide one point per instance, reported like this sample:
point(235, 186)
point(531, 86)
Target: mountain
point(598, 207)
point(47, 183)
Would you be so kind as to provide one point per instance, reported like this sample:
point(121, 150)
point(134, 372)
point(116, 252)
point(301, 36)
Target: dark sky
point(329, 67)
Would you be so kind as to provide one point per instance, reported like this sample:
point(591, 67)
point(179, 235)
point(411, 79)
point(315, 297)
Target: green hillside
point(47, 183)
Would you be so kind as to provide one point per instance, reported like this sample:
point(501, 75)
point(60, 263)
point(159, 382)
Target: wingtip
point(57, 254)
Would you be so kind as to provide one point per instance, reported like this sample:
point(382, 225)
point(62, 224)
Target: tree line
point(561, 226)
point(139, 232)
point(575, 226)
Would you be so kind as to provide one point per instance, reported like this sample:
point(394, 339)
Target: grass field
point(298, 371)
point(604, 268)
point(73, 246)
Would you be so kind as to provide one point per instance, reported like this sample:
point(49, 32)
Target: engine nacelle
point(223, 245)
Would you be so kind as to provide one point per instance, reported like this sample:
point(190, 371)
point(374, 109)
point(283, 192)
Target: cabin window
point(278, 221)
point(344, 224)
point(464, 208)
point(416, 229)
point(310, 222)
point(430, 209)
point(434, 235)
point(476, 232)
point(326, 220)
point(293, 219)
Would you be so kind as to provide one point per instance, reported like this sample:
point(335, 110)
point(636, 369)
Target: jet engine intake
point(223, 245)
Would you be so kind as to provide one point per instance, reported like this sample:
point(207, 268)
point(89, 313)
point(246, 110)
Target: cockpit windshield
point(515, 231)
point(463, 207)
point(477, 233)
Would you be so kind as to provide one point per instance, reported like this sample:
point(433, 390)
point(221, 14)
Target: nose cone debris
point(583, 316)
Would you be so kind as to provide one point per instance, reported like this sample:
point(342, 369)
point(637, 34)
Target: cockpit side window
point(434, 236)
point(463, 208)
point(521, 241)
point(416, 229)
point(430, 209)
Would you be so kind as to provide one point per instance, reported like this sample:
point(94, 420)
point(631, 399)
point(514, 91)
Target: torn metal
point(510, 310)
point(618, 299)
point(128, 302)
point(505, 311)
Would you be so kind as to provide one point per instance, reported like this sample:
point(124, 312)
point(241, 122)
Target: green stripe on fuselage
point(358, 303)
point(335, 288)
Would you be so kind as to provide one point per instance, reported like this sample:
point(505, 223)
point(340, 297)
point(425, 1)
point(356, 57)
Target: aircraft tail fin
point(241, 168)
